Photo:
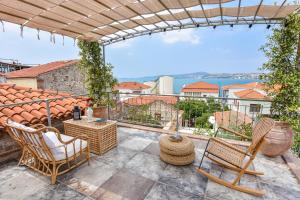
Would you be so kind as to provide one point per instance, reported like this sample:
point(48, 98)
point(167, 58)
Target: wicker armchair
point(47, 151)
point(235, 158)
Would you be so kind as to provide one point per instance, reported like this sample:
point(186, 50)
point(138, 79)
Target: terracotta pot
point(278, 140)
point(100, 112)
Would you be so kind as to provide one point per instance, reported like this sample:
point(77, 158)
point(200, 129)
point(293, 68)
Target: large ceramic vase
point(100, 112)
point(278, 140)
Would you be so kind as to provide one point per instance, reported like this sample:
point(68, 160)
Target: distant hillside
point(197, 75)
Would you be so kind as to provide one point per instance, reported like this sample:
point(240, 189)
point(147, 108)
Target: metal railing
point(175, 112)
point(190, 114)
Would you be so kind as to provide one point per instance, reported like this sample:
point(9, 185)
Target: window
point(254, 107)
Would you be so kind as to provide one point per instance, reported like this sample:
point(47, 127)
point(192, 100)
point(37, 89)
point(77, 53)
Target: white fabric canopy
point(113, 20)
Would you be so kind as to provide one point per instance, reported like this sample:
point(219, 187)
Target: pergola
point(109, 21)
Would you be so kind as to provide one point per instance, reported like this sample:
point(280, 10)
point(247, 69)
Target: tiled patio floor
point(134, 171)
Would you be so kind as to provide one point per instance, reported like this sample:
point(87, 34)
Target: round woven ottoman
point(176, 153)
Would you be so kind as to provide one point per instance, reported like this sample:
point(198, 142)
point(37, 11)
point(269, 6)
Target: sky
point(224, 49)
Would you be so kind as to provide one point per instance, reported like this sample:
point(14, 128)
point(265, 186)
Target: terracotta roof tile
point(131, 86)
point(250, 94)
point(35, 71)
point(201, 87)
point(144, 100)
point(251, 85)
point(33, 113)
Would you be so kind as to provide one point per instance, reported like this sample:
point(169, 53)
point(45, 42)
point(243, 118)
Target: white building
point(200, 89)
point(257, 101)
point(165, 85)
point(131, 89)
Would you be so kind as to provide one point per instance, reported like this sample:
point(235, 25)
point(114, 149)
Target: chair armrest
point(229, 146)
point(82, 137)
point(235, 133)
point(38, 126)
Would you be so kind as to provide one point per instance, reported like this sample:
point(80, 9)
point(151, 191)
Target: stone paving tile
point(117, 157)
point(125, 184)
point(184, 178)
point(140, 133)
point(57, 192)
point(135, 143)
point(87, 178)
point(19, 185)
point(152, 148)
point(275, 192)
point(147, 165)
point(163, 191)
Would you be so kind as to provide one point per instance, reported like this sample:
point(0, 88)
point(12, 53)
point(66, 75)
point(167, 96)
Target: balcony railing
point(184, 114)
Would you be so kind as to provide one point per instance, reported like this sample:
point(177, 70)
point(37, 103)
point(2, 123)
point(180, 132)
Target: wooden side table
point(102, 135)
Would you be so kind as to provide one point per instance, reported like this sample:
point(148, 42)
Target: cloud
point(183, 36)
point(122, 44)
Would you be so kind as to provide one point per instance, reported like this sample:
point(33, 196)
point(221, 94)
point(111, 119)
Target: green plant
point(283, 73)
point(98, 75)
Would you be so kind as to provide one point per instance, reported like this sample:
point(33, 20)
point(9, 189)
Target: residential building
point(161, 108)
point(131, 89)
point(200, 89)
point(58, 75)
point(257, 101)
point(163, 85)
point(11, 66)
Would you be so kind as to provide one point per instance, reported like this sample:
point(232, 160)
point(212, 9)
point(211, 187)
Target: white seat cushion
point(57, 149)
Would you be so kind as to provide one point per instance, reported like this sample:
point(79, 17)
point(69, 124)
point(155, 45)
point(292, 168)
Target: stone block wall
point(68, 79)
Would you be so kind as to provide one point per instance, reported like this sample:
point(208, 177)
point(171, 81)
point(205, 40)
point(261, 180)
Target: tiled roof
point(250, 94)
point(256, 85)
point(131, 86)
point(2, 74)
point(144, 100)
point(35, 71)
point(35, 112)
point(228, 118)
point(201, 87)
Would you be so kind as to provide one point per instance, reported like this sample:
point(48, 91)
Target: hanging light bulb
point(268, 26)
point(3, 30)
point(214, 27)
point(38, 34)
point(250, 25)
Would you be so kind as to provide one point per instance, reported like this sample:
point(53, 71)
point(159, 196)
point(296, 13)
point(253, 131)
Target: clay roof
point(201, 87)
point(35, 112)
point(131, 86)
point(250, 94)
point(244, 86)
point(2, 74)
point(228, 118)
point(41, 69)
point(144, 100)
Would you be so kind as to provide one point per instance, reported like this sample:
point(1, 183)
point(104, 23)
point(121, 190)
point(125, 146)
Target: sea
point(180, 82)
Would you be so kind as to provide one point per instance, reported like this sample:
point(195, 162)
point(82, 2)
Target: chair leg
point(231, 185)
point(54, 175)
point(22, 157)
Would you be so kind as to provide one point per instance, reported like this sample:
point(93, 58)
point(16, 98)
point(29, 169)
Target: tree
point(283, 75)
point(98, 75)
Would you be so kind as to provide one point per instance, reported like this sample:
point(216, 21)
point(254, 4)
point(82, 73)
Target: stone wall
point(68, 79)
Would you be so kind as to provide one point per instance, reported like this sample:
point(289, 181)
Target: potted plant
point(98, 75)
point(283, 85)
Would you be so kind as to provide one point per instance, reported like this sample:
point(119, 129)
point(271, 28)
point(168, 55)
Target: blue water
point(178, 83)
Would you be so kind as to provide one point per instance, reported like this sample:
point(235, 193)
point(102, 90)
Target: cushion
point(20, 126)
point(57, 148)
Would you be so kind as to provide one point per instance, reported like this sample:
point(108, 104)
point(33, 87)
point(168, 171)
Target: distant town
point(205, 75)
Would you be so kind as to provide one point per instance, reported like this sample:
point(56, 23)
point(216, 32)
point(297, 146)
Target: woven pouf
point(176, 153)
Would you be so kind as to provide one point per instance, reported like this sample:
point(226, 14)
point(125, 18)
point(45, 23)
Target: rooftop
point(131, 86)
point(244, 86)
point(36, 112)
point(41, 69)
point(144, 100)
point(201, 87)
point(134, 171)
point(250, 94)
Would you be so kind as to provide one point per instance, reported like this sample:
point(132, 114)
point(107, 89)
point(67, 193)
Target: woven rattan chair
point(47, 151)
point(235, 158)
